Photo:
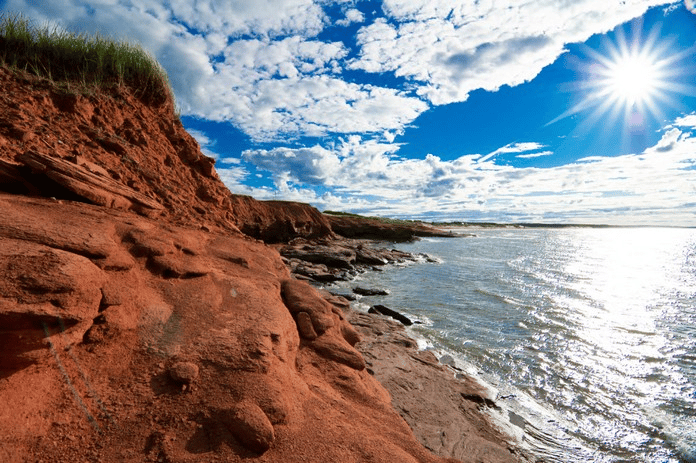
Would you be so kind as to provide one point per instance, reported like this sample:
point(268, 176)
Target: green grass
point(86, 60)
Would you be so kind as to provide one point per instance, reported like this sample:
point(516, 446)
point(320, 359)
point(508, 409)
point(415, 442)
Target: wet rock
point(331, 256)
point(251, 427)
point(383, 310)
point(368, 256)
point(317, 272)
point(370, 291)
point(348, 297)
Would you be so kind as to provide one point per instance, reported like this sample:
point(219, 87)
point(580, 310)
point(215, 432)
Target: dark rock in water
point(367, 256)
point(332, 256)
point(349, 297)
point(382, 310)
point(370, 291)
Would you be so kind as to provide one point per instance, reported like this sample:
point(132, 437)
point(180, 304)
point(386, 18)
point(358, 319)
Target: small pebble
point(184, 372)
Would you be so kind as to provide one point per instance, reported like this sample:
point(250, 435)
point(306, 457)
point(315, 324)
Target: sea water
point(586, 336)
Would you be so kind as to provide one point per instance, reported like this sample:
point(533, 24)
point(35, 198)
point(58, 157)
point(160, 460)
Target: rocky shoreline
point(148, 314)
point(444, 407)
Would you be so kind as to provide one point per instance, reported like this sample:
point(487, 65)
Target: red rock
point(250, 425)
point(184, 372)
point(96, 189)
point(262, 392)
point(45, 295)
point(305, 327)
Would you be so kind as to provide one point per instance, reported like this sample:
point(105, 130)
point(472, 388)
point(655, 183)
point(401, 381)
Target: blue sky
point(579, 111)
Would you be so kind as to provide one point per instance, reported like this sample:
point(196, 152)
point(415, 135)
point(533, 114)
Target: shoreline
point(447, 409)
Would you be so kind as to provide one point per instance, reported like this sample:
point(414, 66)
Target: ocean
point(586, 337)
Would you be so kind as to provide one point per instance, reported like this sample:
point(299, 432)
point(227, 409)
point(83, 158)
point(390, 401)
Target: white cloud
point(520, 147)
point(686, 121)
point(353, 15)
point(517, 148)
point(534, 155)
point(260, 65)
point(451, 50)
point(655, 187)
point(270, 86)
point(669, 139)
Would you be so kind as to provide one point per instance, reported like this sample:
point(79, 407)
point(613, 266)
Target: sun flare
point(630, 76)
point(633, 79)
point(629, 80)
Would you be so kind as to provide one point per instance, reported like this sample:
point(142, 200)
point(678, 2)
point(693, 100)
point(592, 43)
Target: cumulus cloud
point(659, 181)
point(669, 140)
point(261, 66)
point(257, 65)
point(352, 15)
point(686, 121)
point(451, 50)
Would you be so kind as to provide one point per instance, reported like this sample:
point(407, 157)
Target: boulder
point(251, 427)
point(184, 372)
point(370, 291)
point(321, 325)
point(382, 310)
point(332, 256)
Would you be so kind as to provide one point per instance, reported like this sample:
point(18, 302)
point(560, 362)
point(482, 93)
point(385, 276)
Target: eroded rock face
point(322, 325)
point(91, 184)
point(278, 221)
point(48, 297)
point(366, 228)
point(104, 311)
point(178, 344)
point(110, 149)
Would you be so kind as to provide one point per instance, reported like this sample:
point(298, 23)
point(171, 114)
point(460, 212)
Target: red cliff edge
point(142, 319)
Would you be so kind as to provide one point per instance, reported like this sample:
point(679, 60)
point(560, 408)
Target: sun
point(630, 76)
point(632, 80)
point(628, 80)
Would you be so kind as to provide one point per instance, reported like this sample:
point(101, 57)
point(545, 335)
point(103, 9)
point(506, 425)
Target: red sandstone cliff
point(110, 149)
point(137, 323)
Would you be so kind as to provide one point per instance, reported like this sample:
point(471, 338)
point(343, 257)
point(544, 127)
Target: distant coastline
point(455, 224)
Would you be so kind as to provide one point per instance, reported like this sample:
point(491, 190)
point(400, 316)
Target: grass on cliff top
point(87, 60)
